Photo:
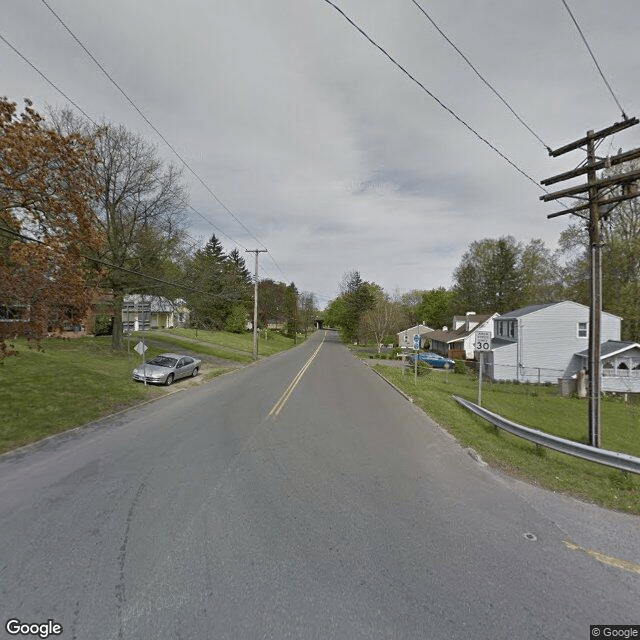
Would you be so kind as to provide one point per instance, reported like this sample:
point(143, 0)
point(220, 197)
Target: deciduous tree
point(47, 186)
point(436, 308)
point(141, 208)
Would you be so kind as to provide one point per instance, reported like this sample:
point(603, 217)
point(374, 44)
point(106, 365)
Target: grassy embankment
point(230, 346)
point(71, 382)
point(538, 407)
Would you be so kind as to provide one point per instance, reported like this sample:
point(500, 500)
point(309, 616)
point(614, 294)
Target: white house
point(459, 343)
point(538, 343)
point(620, 366)
point(405, 338)
point(144, 312)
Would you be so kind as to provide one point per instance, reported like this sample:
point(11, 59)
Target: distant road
point(300, 497)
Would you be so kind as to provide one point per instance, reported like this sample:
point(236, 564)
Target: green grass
point(539, 407)
point(71, 382)
point(230, 346)
point(201, 346)
point(67, 384)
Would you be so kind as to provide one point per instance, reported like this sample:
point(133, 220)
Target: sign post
point(141, 348)
point(482, 344)
point(416, 348)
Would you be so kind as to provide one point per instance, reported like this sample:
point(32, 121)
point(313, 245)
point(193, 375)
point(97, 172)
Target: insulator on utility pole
point(598, 209)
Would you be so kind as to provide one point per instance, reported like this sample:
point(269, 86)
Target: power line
point(486, 82)
point(104, 263)
point(593, 57)
point(146, 119)
point(433, 96)
point(90, 119)
point(44, 77)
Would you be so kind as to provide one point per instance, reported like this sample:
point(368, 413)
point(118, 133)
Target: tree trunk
point(117, 343)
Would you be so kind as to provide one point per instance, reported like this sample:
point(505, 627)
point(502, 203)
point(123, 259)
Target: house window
point(583, 329)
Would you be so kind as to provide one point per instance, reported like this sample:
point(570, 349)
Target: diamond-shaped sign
point(140, 348)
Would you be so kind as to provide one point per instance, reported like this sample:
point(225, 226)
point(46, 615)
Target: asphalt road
point(300, 497)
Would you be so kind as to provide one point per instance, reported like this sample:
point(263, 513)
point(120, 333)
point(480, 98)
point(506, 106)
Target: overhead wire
point(90, 119)
point(177, 285)
point(44, 77)
point(159, 133)
point(433, 96)
point(484, 80)
point(595, 61)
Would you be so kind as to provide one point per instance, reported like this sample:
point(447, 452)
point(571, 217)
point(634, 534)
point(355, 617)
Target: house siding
point(420, 329)
point(545, 342)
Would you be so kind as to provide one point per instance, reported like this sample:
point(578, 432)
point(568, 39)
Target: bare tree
point(141, 210)
point(383, 318)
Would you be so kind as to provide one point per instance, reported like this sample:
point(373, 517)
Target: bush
point(237, 320)
point(102, 325)
point(424, 368)
point(460, 367)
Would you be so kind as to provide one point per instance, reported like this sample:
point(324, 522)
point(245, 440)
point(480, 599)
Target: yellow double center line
point(278, 406)
point(605, 559)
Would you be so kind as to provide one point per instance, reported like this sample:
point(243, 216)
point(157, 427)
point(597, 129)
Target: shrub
point(460, 367)
point(237, 320)
point(424, 368)
point(102, 325)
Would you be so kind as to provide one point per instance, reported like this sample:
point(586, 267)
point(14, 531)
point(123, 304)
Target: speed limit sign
point(483, 341)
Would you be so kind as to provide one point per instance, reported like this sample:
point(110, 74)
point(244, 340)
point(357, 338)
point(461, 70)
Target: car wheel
point(194, 373)
point(169, 379)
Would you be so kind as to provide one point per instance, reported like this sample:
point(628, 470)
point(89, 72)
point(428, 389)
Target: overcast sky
point(328, 154)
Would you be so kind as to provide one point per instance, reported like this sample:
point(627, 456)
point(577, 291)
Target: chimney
point(467, 325)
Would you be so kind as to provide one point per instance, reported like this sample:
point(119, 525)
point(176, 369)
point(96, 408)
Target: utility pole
point(599, 208)
point(255, 302)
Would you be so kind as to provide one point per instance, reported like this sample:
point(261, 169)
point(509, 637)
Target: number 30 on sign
point(483, 341)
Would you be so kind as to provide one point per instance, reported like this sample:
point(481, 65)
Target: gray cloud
point(330, 156)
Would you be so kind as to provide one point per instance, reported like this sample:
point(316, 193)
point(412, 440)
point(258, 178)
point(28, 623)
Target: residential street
point(299, 497)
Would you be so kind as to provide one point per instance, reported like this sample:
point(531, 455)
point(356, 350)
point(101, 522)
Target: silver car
point(166, 368)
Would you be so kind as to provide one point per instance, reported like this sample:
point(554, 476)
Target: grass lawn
point(539, 407)
point(65, 385)
point(230, 346)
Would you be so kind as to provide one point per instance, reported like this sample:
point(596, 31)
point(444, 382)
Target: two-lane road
point(300, 497)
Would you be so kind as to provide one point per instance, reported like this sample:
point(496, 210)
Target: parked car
point(167, 368)
point(434, 359)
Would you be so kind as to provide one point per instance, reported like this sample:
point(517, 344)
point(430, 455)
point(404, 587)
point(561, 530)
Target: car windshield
point(163, 361)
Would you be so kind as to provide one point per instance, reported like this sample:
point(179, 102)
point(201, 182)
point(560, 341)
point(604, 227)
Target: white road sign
point(140, 348)
point(416, 341)
point(483, 341)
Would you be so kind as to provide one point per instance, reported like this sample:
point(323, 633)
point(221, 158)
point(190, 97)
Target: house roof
point(611, 348)
point(496, 343)
point(421, 329)
point(474, 317)
point(449, 336)
point(157, 303)
point(532, 308)
point(517, 313)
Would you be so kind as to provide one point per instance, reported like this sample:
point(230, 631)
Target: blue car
point(435, 360)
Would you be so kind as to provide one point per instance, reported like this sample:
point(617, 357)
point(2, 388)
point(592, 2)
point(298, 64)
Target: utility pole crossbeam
point(593, 189)
point(255, 302)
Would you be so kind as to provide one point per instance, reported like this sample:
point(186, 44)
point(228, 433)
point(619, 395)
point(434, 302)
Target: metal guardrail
point(620, 461)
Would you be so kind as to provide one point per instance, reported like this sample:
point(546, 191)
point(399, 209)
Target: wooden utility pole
point(255, 302)
point(599, 208)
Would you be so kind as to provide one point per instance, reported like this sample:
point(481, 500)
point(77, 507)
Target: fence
point(620, 461)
